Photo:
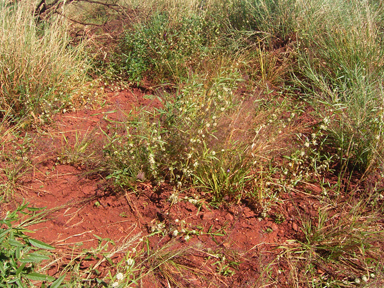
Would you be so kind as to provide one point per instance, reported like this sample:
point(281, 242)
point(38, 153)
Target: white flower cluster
point(119, 277)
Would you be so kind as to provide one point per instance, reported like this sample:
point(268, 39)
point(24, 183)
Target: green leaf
point(19, 284)
point(39, 277)
point(15, 243)
point(20, 269)
point(4, 232)
point(34, 258)
point(40, 244)
point(19, 250)
point(58, 281)
point(36, 209)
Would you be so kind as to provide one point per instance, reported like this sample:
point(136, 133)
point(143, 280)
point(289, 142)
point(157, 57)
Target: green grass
point(342, 67)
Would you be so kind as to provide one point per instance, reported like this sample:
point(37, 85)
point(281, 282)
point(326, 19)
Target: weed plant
point(169, 50)
point(172, 44)
point(177, 142)
point(254, 22)
point(14, 152)
point(20, 254)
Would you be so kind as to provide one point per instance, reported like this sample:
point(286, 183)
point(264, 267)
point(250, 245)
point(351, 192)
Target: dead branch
point(78, 22)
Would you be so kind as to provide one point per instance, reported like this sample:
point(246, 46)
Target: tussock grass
point(39, 68)
point(341, 59)
point(341, 241)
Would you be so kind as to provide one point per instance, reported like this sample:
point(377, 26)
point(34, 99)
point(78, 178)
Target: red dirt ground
point(80, 207)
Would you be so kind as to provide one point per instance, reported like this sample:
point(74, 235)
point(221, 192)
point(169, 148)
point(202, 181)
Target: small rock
point(248, 213)
point(295, 227)
point(208, 216)
point(229, 217)
point(227, 245)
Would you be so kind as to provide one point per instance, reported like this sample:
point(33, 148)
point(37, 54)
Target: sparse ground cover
point(191, 143)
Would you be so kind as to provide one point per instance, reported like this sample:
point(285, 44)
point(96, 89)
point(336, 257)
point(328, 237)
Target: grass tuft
point(39, 68)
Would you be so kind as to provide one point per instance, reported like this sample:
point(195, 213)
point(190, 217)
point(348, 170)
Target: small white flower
point(119, 276)
point(151, 159)
point(372, 275)
point(357, 281)
point(115, 284)
point(176, 220)
point(175, 233)
point(306, 144)
point(130, 262)
point(364, 278)
point(187, 237)
point(213, 153)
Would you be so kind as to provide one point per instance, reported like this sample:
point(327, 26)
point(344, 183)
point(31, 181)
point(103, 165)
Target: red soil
point(80, 206)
